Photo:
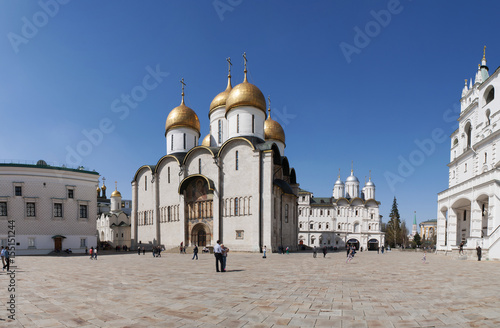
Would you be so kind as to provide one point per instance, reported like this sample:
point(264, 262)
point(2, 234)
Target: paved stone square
point(391, 290)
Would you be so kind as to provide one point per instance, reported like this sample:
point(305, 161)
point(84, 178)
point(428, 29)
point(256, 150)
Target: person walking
point(382, 250)
point(95, 253)
point(91, 252)
point(324, 251)
point(350, 255)
point(7, 258)
point(478, 250)
point(424, 258)
point(348, 249)
point(143, 250)
point(218, 256)
point(315, 252)
point(264, 250)
point(139, 250)
point(461, 249)
point(2, 254)
point(195, 252)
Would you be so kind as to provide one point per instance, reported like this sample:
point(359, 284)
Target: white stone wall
point(218, 115)
point(178, 135)
point(245, 122)
point(44, 187)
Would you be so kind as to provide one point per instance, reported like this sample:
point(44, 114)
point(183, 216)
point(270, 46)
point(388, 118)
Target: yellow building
point(428, 228)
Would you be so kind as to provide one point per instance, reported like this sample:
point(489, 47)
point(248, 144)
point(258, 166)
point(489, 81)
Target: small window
point(220, 132)
point(30, 209)
point(83, 242)
point(300, 226)
point(485, 157)
point(19, 190)
point(83, 211)
point(286, 213)
point(238, 123)
point(319, 226)
point(328, 212)
point(327, 226)
point(488, 117)
point(311, 226)
point(240, 234)
point(339, 227)
point(338, 211)
point(253, 123)
point(356, 212)
point(31, 242)
point(58, 210)
point(465, 167)
point(236, 161)
point(172, 142)
point(184, 140)
point(300, 211)
point(199, 165)
point(3, 208)
point(145, 183)
point(70, 193)
point(321, 212)
point(122, 235)
point(168, 174)
point(236, 207)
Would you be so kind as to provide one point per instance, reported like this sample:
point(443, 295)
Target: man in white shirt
point(218, 256)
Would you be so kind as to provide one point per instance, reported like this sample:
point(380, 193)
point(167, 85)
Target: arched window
point(238, 123)
point(236, 163)
point(485, 157)
point(172, 142)
point(488, 112)
point(220, 132)
point(184, 140)
point(168, 174)
point(169, 214)
point(490, 95)
point(236, 203)
point(286, 213)
point(455, 141)
point(468, 132)
point(199, 165)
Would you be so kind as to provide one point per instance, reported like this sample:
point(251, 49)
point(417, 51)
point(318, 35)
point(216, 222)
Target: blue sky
point(340, 95)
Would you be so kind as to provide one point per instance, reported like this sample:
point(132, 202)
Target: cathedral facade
point(236, 186)
point(349, 217)
point(469, 210)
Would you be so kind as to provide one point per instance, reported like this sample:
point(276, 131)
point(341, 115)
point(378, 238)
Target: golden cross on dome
point(484, 52)
point(229, 64)
point(116, 185)
point(183, 84)
point(269, 109)
point(245, 71)
point(103, 180)
point(339, 173)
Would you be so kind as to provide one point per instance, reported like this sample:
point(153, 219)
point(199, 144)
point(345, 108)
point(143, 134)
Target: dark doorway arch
point(372, 244)
point(353, 242)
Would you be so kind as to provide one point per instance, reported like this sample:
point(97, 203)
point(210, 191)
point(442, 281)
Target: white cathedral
point(237, 186)
point(350, 217)
point(469, 210)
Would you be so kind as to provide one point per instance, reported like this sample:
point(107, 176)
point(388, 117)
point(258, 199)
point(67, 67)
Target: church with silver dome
point(237, 186)
point(350, 217)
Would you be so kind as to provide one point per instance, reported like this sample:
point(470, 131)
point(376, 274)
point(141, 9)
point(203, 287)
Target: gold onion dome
point(116, 193)
point(245, 94)
point(98, 189)
point(206, 141)
point(182, 116)
point(220, 99)
point(272, 129)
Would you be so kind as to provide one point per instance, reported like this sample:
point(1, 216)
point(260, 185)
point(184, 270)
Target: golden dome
point(103, 187)
point(182, 116)
point(98, 189)
point(116, 193)
point(272, 129)
point(245, 94)
point(206, 141)
point(220, 99)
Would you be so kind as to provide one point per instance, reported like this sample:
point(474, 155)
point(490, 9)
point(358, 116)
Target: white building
point(237, 186)
point(53, 208)
point(469, 210)
point(347, 217)
point(113, 227)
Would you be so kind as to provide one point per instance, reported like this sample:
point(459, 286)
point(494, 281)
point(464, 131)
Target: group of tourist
point(157, 251)
point(93, 253)
point(5, 258)
point(315, 251)
point(139, 249)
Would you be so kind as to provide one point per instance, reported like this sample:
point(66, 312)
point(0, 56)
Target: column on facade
point(494, 211)
point(476, 219)
point(182, 219)
point(134, 215)
point(452, 227)
point(267, 201)
point(441, 228)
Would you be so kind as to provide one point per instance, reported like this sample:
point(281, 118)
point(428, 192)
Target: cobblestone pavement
point(395, 289)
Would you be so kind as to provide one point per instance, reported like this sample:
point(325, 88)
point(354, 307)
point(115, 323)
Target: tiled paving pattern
point(374, 290)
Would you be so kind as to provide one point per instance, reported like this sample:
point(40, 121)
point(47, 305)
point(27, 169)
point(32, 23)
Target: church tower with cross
point(237, 186)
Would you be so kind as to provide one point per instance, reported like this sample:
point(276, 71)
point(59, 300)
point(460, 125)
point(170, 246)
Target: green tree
point(393, 235)
point(417, 240)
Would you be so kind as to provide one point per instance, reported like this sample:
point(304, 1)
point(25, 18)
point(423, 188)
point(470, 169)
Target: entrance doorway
point(200, 235)
point(58, 244)
point(202, 238)
point(372, 244)
point(353, 242)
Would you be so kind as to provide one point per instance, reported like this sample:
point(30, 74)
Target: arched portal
point(198, 197)
point(200, 235)
point(372, 244)
point(353, 242)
